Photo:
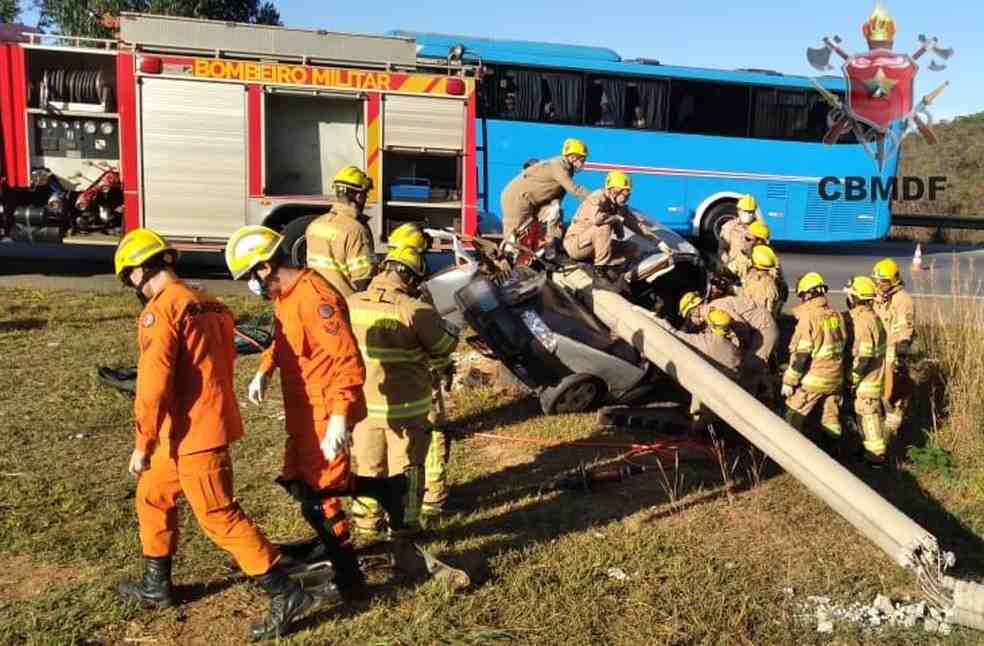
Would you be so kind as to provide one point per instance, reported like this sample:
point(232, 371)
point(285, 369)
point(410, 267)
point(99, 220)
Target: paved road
point(90, 267)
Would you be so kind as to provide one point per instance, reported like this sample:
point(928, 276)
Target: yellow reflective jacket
point(820, 333)
point(399, 337)
point(339, 247)
point(897, 312)
point(869, 343)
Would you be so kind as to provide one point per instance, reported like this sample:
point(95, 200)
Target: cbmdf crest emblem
point(880, 105)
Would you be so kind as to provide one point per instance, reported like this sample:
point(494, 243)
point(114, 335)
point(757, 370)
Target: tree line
point(89, 17)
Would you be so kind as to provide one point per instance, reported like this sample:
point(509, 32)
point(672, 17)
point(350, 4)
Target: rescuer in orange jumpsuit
point(321, 376)
point(186, 416)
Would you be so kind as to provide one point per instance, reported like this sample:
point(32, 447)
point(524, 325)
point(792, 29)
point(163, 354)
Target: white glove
point(257, 387)
point(138, 463)
point(337, 438)
point(786, 390)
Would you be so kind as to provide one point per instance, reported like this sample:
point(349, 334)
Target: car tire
point(710, 227)
point(574, 394)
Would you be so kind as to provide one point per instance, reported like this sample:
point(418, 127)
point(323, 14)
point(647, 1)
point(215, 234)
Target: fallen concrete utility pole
point(902, 539)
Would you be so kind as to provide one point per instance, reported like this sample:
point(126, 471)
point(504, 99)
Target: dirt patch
point(22, 579)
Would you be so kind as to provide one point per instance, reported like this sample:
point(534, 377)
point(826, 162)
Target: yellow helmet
point(760, 230)
point(408, 257)
point(248, 247)
point(352, 177)
point(763, 257)
point(861, 288)
point(718, 321)
point(809, 281)
point(747, 203)
point(137, 247)
point(574, 146)
point(408, 235)
point(887, 269)
point(618, 179)
point(689, 301)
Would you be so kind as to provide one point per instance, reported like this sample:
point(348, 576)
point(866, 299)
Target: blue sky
point(709, 33)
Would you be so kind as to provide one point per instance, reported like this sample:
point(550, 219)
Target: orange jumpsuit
point(186, 416)
point(321, 374)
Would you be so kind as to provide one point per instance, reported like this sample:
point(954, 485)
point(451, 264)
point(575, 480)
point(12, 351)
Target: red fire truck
point(195, 127)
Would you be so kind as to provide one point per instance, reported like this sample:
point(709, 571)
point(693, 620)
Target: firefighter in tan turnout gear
point(760, 282)
point(603, 214)
point(733, 231)
point(757, 334)
point(740, 258)
point(867, 365)
point(897, 312)
point(542, 183)
point(339, 244)
point(815, 374)
point(713, 338)
point(399, 334)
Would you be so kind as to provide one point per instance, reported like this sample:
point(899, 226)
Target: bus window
point(698, 107)
point(531, 95)
point(791, 115)
point(562, 97)
point(605, 104)
point(645, 104)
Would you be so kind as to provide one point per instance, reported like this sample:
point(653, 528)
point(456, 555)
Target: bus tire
point(710, 226)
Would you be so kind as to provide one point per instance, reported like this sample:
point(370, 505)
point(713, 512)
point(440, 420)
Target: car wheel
point(710, 228)
point(574, 394)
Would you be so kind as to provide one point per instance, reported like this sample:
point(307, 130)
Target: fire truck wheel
point(710, 227)
point(574, 394)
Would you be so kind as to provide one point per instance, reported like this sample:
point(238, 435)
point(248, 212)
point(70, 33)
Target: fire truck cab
point(194, 128)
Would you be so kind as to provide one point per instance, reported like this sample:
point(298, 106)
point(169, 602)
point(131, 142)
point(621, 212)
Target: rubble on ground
point(472, 370)
point(880, 613)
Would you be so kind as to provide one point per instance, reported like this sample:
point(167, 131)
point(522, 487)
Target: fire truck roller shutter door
point(193, 146)
point(418, 122)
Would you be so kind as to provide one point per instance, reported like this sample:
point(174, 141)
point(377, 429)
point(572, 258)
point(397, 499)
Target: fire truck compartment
point(423, 123)
point(308, 139)
point(193, 147)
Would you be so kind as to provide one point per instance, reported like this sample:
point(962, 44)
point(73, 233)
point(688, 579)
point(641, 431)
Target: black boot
point(155, 588)
point(289, 602)
point(349, 579)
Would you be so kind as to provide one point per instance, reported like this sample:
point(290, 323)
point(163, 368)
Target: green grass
point(709, 569)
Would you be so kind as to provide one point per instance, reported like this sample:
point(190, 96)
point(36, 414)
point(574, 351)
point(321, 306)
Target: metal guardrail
point(938, 221)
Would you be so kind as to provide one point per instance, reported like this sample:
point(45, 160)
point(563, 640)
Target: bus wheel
point(710, 228)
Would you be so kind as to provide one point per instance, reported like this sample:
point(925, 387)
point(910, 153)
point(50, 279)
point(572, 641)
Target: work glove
point(786, 390)
point(257, 387)
point(138, 463)
point(337, 438)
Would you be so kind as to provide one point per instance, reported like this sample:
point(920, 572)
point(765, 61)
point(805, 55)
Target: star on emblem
point(880, 85)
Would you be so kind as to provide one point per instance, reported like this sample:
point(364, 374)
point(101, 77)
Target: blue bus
point(692, 139)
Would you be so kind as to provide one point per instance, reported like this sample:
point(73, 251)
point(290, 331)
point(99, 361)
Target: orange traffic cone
point(917, 258)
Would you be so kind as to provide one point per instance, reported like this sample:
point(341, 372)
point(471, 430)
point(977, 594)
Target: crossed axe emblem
point(841, 120)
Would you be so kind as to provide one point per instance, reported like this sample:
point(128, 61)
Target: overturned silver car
point(542, 334)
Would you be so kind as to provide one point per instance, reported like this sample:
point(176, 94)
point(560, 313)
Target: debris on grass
point(881, 613)
point(617, 573)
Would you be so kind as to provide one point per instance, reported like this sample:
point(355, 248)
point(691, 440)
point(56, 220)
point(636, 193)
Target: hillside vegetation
point(959, 156)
